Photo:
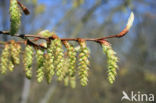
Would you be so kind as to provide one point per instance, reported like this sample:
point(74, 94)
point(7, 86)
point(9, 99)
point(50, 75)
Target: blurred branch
point(67, 15)
point(86, 17)
point(25, 93)
point(49, 93)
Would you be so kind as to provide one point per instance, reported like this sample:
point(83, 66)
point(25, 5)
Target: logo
point(137, 96)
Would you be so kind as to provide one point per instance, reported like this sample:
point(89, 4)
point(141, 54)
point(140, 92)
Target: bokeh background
point(88, 18)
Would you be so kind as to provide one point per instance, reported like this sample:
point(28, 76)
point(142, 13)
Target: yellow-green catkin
point(83, 63)
point(5, 59)
point(112, 60)
point(71, 58)
point(15, 50)
point(49, 63)
point(73, 82)
point(71, 53)
point(66, 71)
point(59, 59)
point(40, 67)
point(15, 17)
point(28, 60)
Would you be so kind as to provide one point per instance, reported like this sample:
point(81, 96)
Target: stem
point(24, 8)
point(98, 40)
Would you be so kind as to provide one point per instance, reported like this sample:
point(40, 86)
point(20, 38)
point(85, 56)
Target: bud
point(46, 33)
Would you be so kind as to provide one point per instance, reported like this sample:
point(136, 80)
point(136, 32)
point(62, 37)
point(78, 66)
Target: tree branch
point(38, 37)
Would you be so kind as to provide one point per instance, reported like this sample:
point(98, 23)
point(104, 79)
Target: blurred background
point(88, 18)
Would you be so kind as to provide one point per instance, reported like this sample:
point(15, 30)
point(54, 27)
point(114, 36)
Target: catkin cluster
point(54, 61)
point(15, 16)
point(111, 61)
point(5, 59)
point(15, 52)
point(83, 63)
point(10, 56)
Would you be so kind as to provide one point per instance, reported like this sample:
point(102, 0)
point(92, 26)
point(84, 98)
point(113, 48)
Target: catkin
point(52, 60)
point(5, 59)
point(40, 67)
point(28, 60)
point(71, 61)
point(83, 63)
point(49, 63)
point(71, 53)
point(112, 60)
point(15, 52)
point(15, 16)
point(59, 59)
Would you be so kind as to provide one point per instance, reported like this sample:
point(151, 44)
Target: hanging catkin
point(15, 17)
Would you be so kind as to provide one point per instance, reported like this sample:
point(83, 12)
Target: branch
point(24, 8)
point(38, 37)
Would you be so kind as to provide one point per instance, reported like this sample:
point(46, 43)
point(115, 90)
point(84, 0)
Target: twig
point(38, 37)
point(24, 8)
